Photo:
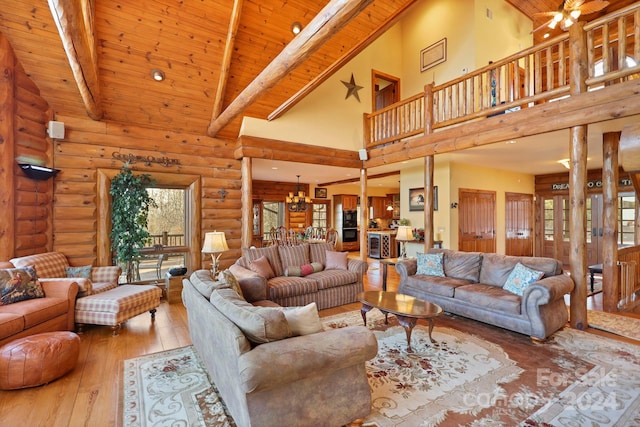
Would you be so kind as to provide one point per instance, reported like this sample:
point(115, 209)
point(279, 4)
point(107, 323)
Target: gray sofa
point(317, 379)
point(473, 287)
point(327, 288)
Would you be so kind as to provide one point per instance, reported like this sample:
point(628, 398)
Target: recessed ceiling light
point(158, 75)
point(513, 141)
point(275, 168)
point(296, 27)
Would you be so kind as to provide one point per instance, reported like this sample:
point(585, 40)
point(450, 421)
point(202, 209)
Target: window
point(626, 219)
point(319, 219)
point(272, 217)
point(548, 219)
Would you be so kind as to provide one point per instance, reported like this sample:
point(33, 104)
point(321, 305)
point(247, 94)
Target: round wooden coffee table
point(406, 308)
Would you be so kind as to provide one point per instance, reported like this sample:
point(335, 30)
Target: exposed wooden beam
point(328, 72)
point(325, 25)
point(7, 150)
point(265, 148)
point(226, 58)
point(351, 180)
point(74, 19)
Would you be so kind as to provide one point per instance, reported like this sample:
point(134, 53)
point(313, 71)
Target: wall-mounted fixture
point(454, 205)
point(362, 153)
point(298, 202)
point(39, 173)
point(565, 162)
point(158, 75)
point(223, 194)
point(55, 129)
point(296, 27)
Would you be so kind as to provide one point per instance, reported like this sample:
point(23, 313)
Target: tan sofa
point(329, 287)
point(54, 312)
point(318, 379)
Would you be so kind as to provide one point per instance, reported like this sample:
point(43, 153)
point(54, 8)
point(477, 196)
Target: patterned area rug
point(490, 377)
point(624, 326)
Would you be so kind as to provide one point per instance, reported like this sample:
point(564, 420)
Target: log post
point(7, 151)
point(428, 202)
point(247, 203)
point(610, 279)
point(364, 215)
point(578, 183)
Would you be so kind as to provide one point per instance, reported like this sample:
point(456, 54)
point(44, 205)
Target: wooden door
point(386, 89)
point(519, 224)
point(477, 220)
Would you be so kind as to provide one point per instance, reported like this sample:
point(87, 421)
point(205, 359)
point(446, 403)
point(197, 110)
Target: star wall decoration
point(352, 88)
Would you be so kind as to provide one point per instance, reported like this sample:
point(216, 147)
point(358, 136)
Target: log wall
point(25, 204)
point(92, 152)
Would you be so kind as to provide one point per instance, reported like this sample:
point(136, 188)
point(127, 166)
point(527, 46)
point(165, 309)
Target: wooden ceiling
point(207, 61)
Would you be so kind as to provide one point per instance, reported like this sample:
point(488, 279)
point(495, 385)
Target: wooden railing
point(535, 75)
point(166, 239)
point(629, 277)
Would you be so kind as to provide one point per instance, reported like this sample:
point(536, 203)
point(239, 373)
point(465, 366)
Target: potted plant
point(129, 217)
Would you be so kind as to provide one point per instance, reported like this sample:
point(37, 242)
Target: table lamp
point(214, 243)
point(404, 235)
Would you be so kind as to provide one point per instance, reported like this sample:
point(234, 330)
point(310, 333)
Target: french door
point(477, 220)
point(519, 224)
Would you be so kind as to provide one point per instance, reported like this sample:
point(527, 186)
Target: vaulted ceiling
point(215, 54)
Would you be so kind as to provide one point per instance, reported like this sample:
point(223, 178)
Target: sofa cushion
point(318, 252)
point(204, 283)
point(271, 252)
point(520, 278)
point(10, 323)
point(19, 284)
point(259, 324)
point(337, 260)
point(489, 297)
point(49, 264)
point(36, 311)
point(293, 256)
point(430, 264)
point(285, 287)
point(303, 270)
point(303, 320)
point(461, 265)
point(444, 286)
point(333, 278)
point(262, 267)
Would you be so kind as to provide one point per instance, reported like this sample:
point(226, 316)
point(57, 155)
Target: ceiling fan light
point(553, 24)
point(575, 14)
point(568, 22)
point(558, 17)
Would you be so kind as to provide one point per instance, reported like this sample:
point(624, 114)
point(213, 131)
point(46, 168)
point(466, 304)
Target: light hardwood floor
point(91, 394)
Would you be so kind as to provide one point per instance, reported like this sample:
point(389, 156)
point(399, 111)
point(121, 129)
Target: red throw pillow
point(262, 267)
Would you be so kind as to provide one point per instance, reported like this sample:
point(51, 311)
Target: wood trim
point(7, 150)
point(331, 19)
point(76, 32)
point(350, 180)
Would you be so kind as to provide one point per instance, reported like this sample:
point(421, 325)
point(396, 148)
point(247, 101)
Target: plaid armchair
point(54, 265)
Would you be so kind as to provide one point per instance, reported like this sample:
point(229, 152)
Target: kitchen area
point(384, 214)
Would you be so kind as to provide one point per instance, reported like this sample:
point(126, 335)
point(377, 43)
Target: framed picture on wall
point(321, 193)
point(416, 199)
point(433, 55)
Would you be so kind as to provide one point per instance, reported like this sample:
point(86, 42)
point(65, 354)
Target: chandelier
point(298, 202)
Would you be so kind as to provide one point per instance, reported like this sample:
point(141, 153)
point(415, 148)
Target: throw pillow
point(262, 267)
point(19, 284)
point(430, 264)
point(227, 277)
point(303, 320)
point(520, 278)
point(83, 272)
point(337, 260)
point(303, 270)
point(259, 324)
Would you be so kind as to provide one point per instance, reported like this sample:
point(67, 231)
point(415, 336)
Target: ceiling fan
point(569, 11)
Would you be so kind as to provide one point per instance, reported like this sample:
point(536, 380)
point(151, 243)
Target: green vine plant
point(129, 217)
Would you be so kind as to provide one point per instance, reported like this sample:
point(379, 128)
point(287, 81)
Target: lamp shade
point(404, 233)
point(214, 242)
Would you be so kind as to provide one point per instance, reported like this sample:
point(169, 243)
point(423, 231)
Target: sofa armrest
point(282, 362)
point(60, 288)
point(406, 268)
point(357, 266)
point(254, 286)
point(546, 290)
point(109, 273)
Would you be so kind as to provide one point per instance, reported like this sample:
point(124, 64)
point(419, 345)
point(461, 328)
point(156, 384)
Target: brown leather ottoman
point(37, 359)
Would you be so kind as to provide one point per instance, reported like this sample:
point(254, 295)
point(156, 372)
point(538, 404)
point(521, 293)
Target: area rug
point(474, 375)
point(624, 326)
point(171, 388)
